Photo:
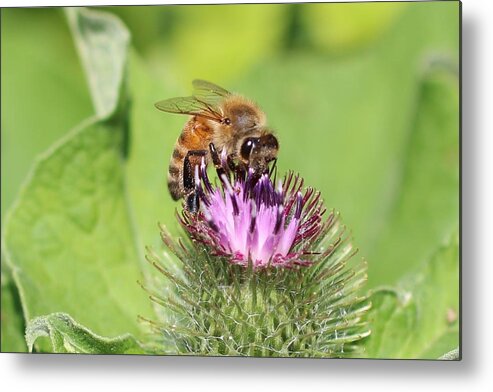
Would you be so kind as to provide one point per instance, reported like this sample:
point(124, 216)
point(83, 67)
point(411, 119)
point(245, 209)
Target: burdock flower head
point(249, 220)
point(263, 270)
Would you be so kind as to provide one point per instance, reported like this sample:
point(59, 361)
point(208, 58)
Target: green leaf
point(425, 209)
point(43, 90)
point(102, 41)
point(420, 318)
point(453, 355)
point(69, 238)
point(12, 320)
point(68, 336)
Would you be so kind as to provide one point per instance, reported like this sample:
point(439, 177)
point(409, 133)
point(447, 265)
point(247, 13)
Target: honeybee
point(220, 122)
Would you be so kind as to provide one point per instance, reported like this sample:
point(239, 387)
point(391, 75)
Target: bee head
point(258, 152)
point(242, 115)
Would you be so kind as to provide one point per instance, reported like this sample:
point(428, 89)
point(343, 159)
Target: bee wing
point(208, 91)
point(190, 105)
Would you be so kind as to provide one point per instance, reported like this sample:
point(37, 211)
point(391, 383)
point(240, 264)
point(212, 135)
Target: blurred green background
point(364, 99)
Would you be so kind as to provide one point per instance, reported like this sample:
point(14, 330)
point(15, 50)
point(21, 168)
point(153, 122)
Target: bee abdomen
point(174, 184)
point(175, 171)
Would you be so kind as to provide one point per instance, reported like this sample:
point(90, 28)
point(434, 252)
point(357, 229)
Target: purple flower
point(251, 221)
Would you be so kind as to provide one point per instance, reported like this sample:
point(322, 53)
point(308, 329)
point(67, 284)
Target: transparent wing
point(208, 92)
point(190, 105)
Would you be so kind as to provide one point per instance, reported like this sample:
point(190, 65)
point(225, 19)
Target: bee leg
point(231, 163)
point(191, 196)
point(239, 168)
point(192, 202)
point(216, 160)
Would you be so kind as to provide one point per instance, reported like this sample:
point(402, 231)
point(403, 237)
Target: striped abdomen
point(194, 138)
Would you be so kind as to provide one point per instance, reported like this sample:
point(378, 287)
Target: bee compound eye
point(270, 141)
point(246, 148)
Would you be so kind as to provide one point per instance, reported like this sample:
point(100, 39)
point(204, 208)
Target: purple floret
point(250, 221)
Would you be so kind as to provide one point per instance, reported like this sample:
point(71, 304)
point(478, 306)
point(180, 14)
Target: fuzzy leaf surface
point(453, 355)
point(68, 336)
